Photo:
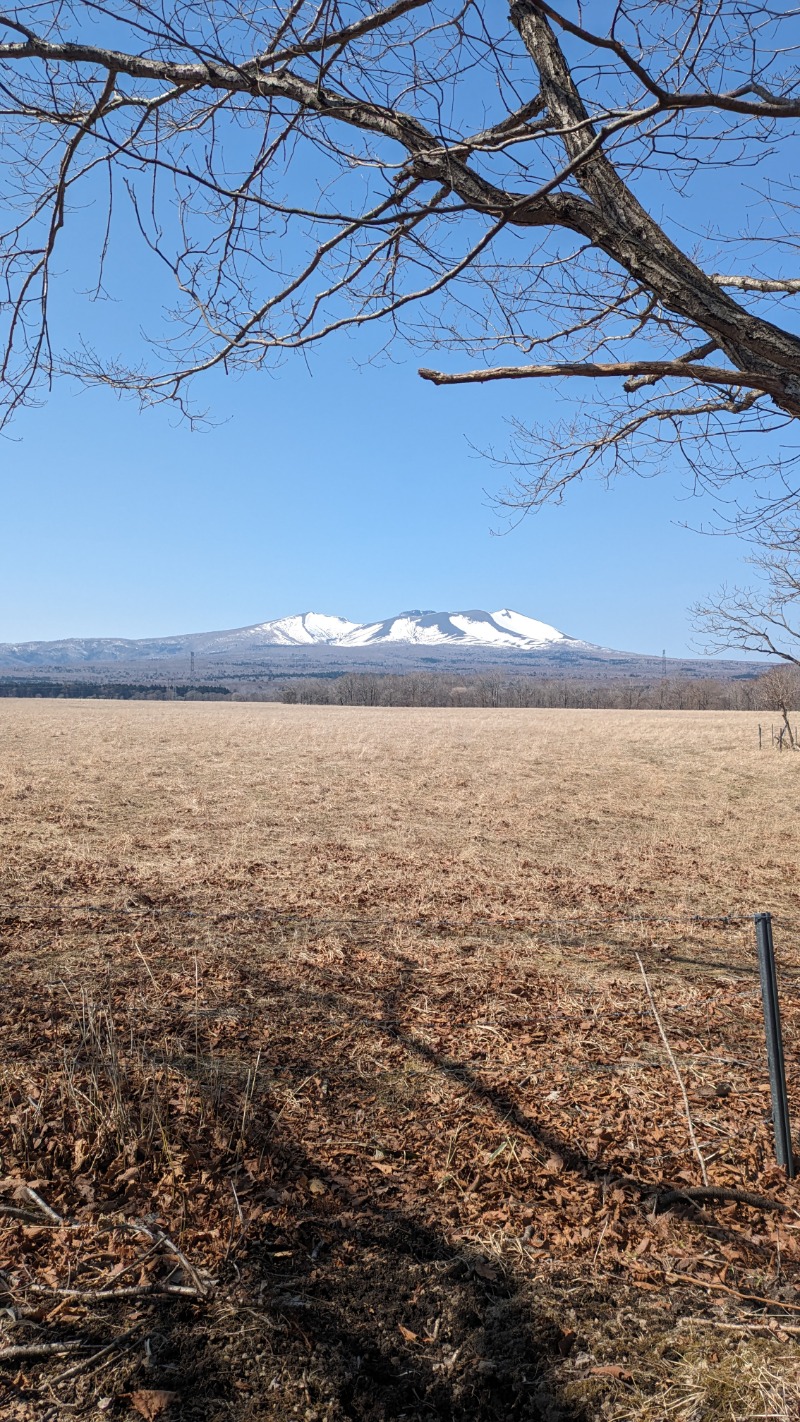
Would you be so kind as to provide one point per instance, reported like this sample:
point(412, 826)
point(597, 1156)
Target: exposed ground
point(324, 1039)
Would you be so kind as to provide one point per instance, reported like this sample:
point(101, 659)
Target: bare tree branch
point(732, 101)
point(660, 369)
point(457, 182)
point(763, 618)
point(763, 284)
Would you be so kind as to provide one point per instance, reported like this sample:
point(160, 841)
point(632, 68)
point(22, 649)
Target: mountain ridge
point(502, 631)
point(326, 645)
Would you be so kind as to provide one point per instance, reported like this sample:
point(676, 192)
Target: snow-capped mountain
point(464, 629)
point(490, 631)
point(301, 630)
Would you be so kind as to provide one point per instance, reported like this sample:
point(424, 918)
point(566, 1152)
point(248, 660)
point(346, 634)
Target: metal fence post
point(772, 1024)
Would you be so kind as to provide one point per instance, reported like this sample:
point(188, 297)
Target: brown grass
point(441, 811)
point(346, 999)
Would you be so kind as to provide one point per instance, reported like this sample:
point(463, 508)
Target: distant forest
point(487, 689)
point(38, 687)
point(429, 688)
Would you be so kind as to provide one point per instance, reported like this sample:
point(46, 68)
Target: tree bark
point(617, 223)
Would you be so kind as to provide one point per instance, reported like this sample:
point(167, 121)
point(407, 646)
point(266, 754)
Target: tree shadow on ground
point(394, 1323)
point(370, 1316)
point(343, 1304)
point(354, 1305)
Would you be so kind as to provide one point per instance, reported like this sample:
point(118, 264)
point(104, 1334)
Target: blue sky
point(331, 485)
point(335, 488)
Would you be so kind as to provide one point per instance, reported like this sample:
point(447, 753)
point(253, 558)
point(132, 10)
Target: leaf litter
point(260, 1161)
point(300, 1140)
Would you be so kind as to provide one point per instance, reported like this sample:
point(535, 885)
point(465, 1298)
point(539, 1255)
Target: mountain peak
point(504, 630)
point(473, 628)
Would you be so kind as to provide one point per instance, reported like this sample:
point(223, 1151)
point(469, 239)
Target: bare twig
point(676, 1070)
point(43, 1206)
point(138, 1291)
point(712, 1192)
point(27, 1215)
point(123, 1340)
point(756, 1325)
point(791, 285)
point(594, 370)
point(147, 965)
point(21, 1351)
point(736, 1293)
point(159, 1237)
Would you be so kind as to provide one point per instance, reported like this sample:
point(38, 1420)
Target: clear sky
point(336, 488)
point(331, 485)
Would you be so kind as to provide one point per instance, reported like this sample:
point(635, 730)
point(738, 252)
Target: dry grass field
point(330, 1084)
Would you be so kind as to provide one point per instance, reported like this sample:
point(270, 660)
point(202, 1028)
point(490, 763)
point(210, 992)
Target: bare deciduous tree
point(780, 691)
point(516, 189)
point(763, 618)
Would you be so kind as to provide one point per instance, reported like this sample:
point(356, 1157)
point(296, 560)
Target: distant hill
point(490, 630)
point(314, 643)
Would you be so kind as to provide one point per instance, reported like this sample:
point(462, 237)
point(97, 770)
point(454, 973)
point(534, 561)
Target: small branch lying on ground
point(16, 1214)
point(43, 1206)
point(199, 1287)
point(21, 1351)
point(124, 1340)
point(158, 1237)
point(736, 1293)
point(676, 1069)
point(137, 1291)
point(713, 1192)
point(769, 1327)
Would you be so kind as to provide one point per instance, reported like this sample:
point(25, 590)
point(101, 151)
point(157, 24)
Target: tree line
point(499, 690)
point(776, 689)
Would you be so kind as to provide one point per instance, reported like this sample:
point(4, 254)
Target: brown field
point(325, 1046)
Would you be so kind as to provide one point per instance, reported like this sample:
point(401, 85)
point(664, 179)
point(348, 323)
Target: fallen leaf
point(567, 1342)
point(610, 1370)
point(317, 1187)
point(485, 1271)
point(151, 1402)
point(408, 1335)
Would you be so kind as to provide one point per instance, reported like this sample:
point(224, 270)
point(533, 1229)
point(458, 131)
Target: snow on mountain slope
point(304, 629)
point(538, 632)
point(464, 629)
point(501, 630)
